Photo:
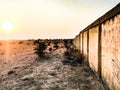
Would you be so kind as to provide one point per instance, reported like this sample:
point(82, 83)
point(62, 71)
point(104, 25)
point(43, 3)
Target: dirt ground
point(21, 69)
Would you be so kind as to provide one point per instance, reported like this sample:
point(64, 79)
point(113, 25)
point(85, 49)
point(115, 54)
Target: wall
point(76, 42)
point(93, 48)
point(85, 46)
point(111, 52)
point(99, 43)
point(81, 44)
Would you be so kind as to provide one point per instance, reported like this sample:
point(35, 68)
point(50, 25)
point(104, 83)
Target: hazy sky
point(50, 18)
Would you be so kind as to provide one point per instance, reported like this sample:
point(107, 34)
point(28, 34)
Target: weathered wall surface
point(81, 43)
point(111, 52)
point(76, 42)
point(99, 43)
point(85, 45)
point(93, 48)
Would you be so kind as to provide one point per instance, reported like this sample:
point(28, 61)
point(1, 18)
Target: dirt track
point(24, 71)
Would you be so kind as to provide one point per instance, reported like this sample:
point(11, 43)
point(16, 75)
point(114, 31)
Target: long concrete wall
point(99, 43)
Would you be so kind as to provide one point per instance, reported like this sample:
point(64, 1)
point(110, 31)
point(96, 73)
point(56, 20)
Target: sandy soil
point(21, 69)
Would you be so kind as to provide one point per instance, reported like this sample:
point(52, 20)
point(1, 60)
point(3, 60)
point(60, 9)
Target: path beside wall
point(99, 43)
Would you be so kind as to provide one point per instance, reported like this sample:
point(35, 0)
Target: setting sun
point(7, 26)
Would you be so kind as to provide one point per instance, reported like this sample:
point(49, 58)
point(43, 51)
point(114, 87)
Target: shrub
point(40, 49)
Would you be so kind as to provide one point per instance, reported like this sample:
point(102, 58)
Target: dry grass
point(20, 70)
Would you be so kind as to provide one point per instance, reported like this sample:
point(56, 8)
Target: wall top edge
point(108, 15)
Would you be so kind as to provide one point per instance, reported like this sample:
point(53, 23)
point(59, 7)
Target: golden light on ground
point(7, 26)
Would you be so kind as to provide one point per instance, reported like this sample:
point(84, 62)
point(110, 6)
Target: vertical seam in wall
point(88, 46)
point(79, 43)
point(100, 56)
point(99, 52)
point(82, 43)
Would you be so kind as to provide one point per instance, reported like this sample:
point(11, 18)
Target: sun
point(7, 26)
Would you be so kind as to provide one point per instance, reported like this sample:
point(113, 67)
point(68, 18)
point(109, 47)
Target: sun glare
point(7, 26)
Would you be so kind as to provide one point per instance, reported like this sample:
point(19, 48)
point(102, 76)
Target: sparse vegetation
point(61, 72)
point(40, 49)
point(73, 56)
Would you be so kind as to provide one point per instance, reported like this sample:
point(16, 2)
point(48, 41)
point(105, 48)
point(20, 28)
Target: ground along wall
point(99, 43)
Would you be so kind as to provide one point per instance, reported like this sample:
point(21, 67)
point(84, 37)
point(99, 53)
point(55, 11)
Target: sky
point(49, 19)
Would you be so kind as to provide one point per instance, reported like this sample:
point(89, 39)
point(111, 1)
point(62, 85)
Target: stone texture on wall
point(93, 48)
point(85, 45)
point(111, 52)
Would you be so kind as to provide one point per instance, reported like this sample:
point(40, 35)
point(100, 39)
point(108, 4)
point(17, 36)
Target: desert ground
point(22, 69)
